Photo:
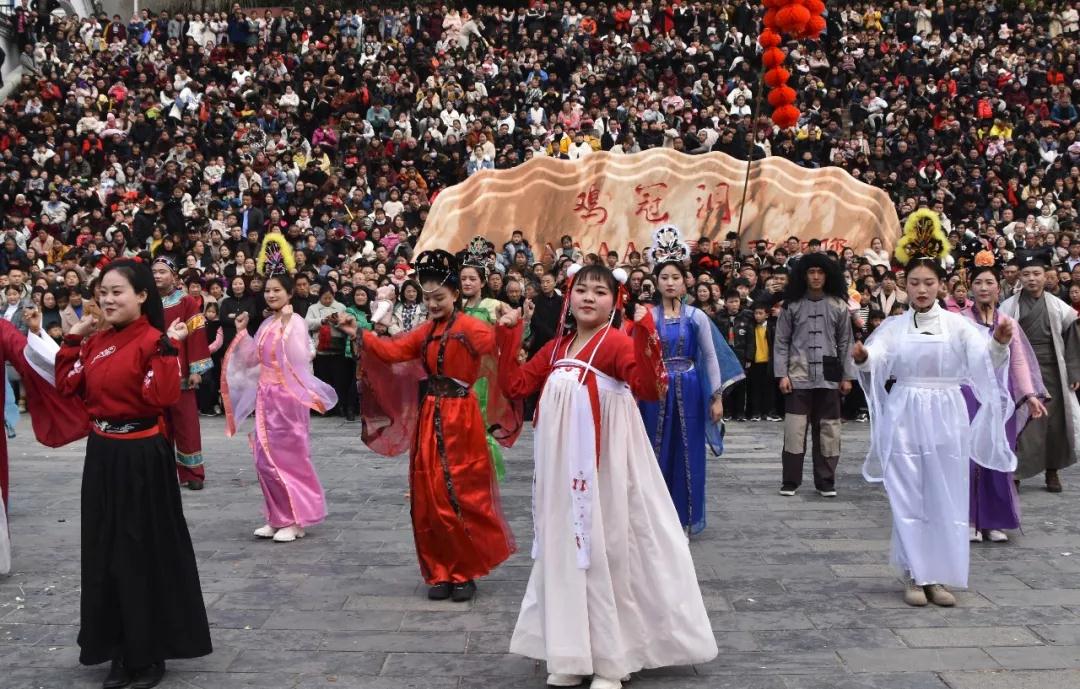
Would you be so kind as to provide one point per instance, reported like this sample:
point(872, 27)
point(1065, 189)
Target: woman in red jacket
point(141, 598)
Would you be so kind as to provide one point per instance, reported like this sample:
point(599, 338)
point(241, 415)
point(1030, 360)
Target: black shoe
point(464, 592)
point(350, 415)
point(440, 591)
point(118, 676)
point(149, 677)
point(194, 484)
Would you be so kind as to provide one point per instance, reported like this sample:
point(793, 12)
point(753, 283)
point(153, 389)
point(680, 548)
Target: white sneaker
point(787, 492)
point(288, 534)
point(557, 679)
point(599, 682)
point(997, 536)
point(830, 493)
point(974, 535)
point(266, 531)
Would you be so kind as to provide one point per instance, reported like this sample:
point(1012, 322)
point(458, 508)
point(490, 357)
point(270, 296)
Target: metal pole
point(754, 113)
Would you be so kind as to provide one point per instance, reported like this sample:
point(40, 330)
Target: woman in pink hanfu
point(271, 375)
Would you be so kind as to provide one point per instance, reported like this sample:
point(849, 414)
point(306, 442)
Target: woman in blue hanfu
point(700, 366)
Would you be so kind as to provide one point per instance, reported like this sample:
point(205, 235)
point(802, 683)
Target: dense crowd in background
point(193, 135)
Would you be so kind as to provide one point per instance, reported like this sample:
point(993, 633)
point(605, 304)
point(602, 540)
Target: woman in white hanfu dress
point(921, 437)
point(613, 588)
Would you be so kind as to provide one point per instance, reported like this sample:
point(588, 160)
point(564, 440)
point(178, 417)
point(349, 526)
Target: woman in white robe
point(921, 437)
point(613, 588)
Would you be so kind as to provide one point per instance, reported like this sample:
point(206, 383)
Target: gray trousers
point(818, 408)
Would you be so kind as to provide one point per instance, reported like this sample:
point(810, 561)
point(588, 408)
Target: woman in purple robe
point(995, 505)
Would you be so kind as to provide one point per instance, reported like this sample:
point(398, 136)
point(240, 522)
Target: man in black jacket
point(545, 320)
point(734, 324)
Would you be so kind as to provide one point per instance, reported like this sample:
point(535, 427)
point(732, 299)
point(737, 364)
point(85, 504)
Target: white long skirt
point(638, 605)
point(926, 479)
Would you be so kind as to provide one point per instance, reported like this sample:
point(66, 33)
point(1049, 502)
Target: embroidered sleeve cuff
point(201, 366)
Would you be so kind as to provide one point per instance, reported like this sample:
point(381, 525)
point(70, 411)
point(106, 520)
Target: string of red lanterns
point(797, 19)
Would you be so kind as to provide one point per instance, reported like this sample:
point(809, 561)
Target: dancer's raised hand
point(347, 324)
point(1003, 332)
point(178, 330)
point(859, 353)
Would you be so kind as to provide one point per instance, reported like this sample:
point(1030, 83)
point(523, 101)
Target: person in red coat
point(183, 417)
point(458, 524)
point(56, 421)
point(141, 600)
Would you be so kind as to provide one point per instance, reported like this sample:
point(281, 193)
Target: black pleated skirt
point(141, 598)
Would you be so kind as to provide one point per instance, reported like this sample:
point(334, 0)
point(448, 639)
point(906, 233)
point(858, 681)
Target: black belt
point(128, 428)
point(441, 386)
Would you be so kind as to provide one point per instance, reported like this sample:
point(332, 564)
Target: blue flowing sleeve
point(718, 369)
point(11, 408)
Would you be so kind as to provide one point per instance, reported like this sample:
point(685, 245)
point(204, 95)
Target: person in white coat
point(921, 438)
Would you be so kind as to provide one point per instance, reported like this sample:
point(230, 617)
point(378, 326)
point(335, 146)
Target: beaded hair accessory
point(166, 261)
point(668, 246)
point(438, 266)
point(478, 254)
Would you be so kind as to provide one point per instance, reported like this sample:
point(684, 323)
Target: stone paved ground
point(798, 589)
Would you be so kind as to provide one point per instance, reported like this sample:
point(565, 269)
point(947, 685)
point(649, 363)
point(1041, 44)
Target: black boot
point(440, 591)
point(463, 592)
point(118, 676)
point(148, 677)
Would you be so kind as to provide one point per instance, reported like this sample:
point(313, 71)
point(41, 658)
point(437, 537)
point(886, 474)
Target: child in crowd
point(734, 325)
point(758, 358)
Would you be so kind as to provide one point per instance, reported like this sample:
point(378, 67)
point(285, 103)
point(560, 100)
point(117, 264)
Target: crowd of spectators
point(194, 134)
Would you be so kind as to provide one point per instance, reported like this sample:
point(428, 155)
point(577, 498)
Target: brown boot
point(914, 595)
point(939, 595)
point(1053, 483)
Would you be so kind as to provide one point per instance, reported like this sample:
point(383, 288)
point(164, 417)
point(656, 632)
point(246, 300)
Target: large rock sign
point(617, 199)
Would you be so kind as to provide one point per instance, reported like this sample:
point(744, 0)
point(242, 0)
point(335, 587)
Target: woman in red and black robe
point(141, 599)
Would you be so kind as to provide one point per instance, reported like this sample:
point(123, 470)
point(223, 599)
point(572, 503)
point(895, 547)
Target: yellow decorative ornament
point(923, 237)
point(275, 255)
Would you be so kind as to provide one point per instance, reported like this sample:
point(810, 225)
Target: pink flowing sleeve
point(1025, 377)
point(292, 351)
point(240, 371)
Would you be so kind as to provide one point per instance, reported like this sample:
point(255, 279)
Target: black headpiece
point(437, 266)
point(1034, 258)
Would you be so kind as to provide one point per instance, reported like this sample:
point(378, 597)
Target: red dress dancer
point(458, 524)
point(56, 421)
point(182, 418)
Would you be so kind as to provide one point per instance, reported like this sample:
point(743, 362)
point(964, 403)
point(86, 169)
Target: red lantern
point(815, 26)
point(777, 77)
point(786, 116)
point(792, 19)
point(781, 96)
point(769, 20)
point(769, 39)
point(773, 57)
point(815, 6)
point(773, 4)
